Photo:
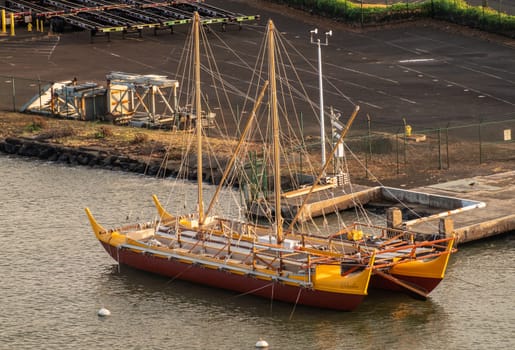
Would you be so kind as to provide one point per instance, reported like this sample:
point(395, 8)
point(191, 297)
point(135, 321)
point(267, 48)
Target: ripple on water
point(55, 276)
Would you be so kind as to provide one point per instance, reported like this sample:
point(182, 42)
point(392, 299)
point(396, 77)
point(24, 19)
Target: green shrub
point(103, 132)
point(37, 124)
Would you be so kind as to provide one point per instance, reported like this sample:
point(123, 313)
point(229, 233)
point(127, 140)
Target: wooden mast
point(275, 121)
point(198, 111)
point(236, 151)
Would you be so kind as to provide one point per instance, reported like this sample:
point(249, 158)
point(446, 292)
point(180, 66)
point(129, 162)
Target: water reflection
point(383, 318)
point(55, 276)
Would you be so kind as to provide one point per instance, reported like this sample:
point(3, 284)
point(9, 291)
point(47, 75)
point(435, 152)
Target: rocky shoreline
point(98, 158)
point(68, 155)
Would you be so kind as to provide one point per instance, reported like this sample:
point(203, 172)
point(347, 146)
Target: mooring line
point(178, 275)
point(254, 290)
point(272, 298)
point(462, 280)
point(295, 305)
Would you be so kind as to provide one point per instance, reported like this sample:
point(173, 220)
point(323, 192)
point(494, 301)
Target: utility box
point(80, 101)
point(95, 107)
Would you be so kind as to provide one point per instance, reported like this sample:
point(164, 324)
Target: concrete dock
point(497, 216)
point(471, 208)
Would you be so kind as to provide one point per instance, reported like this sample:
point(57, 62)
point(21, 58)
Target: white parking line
point(417, 60)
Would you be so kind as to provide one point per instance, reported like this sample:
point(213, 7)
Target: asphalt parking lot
point(432, 74)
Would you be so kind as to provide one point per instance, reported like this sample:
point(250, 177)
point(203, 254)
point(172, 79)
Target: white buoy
point(103, 312)
point(261, 344)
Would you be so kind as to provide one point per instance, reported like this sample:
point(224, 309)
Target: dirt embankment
point(150, 152)
point(160, 152)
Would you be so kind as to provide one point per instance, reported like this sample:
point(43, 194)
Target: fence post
point(447, 145)
point(480, 143)
point(361, 13)
point(39, 94)
point(14, 93)
point(66, 99)
point(366, 160)
point(397, 150)
point(405, 151)
point(369, 148)
point(369, 127)
point(439, 149)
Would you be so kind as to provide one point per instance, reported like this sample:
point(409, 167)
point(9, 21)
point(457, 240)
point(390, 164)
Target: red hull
point(426, 284)
point(230, 281)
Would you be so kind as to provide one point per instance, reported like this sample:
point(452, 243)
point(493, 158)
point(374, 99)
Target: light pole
point(322, 123)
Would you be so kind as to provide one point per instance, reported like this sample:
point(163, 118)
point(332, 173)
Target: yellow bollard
point(41, 26)
point(407, 130)
point(12, 24)
point(4, 29)
point(29, 27)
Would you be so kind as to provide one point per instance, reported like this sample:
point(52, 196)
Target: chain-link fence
point(505, 6)
point(63, 99)
point(390, 154)
point(16, 92)
point(426, 151)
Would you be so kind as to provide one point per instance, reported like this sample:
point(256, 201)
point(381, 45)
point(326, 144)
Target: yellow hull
point(319, 284)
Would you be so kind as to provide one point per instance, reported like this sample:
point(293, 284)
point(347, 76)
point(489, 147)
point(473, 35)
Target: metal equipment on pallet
point(130, 99)
point(135, 99)
point(68, 99)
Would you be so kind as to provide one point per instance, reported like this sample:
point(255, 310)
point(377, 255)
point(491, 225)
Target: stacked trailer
point(217, 14)
point(128, 16)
